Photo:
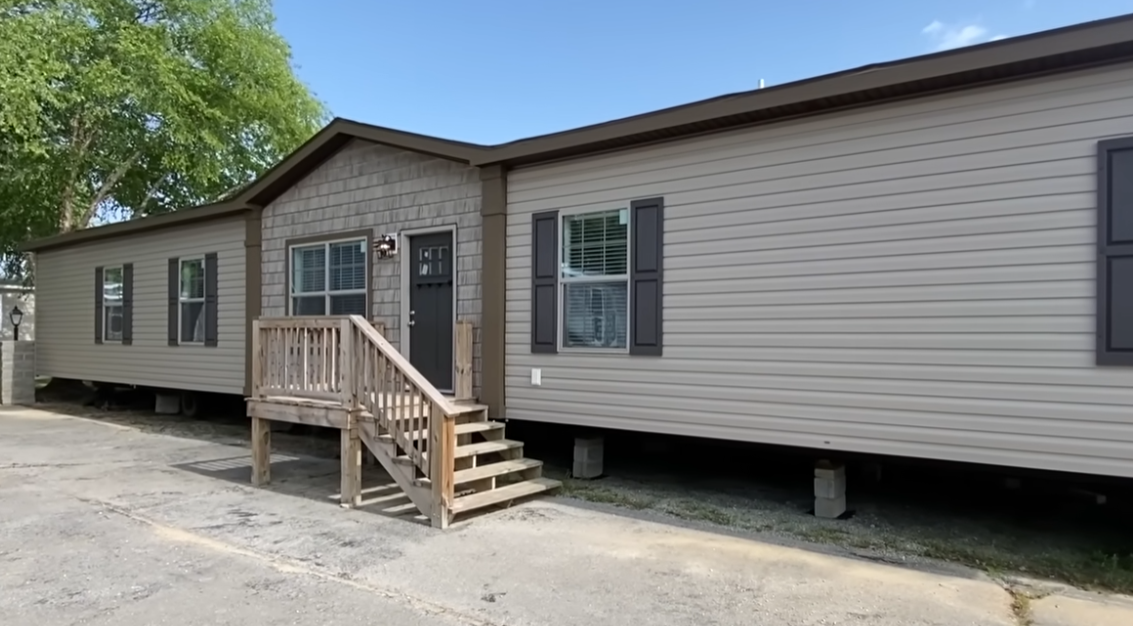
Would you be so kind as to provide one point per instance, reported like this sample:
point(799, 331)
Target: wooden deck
point(339, 372)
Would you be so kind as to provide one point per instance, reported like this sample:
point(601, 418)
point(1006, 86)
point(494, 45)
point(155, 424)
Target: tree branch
point(106, 187)
point(152, 191)
point(80, 142)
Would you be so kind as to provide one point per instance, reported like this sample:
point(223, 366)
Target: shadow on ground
point(313, 478)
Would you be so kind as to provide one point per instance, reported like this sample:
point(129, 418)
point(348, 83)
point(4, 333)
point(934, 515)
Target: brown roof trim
point(142, 224)
point(1102, 41)
point(331, 139)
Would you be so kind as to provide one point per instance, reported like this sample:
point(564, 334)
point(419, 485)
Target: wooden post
point(258, 358)
point(346, 365)
point(442, 444)
point(462, 386)
point(351, 490)
point(261, 451)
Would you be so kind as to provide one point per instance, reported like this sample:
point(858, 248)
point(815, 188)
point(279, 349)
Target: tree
point(112, 109)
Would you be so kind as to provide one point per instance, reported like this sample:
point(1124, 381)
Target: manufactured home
point(924, 258)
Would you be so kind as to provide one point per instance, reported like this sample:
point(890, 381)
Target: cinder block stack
point(17, 372)
point(587, 457)
point(829, 489)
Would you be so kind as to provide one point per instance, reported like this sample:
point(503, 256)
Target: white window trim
point(326, 293)
point(182, 300)
point(120, 305)
point(562, 281)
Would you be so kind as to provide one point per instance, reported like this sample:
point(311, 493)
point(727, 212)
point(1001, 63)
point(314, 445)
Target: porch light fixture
point(16, 316)
point(386, 246)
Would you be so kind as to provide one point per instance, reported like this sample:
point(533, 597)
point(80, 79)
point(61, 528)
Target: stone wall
point(17, 372)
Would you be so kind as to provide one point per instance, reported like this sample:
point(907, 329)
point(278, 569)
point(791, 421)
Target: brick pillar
point(17, 372)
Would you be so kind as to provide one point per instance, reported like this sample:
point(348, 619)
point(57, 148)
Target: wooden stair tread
point(485, 447)
point(503, 494)
point(472, 449)
point(494, 469)
point(461, 429)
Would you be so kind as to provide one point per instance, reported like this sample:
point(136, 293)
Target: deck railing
point(347, 360)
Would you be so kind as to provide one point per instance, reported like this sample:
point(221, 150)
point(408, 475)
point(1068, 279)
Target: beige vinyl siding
point(912, 279)
point(65, 345)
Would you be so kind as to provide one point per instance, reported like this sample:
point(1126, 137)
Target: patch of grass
point(822, 534)
point(695, 510)
point(1065, 561)
point(596, 493)
point(1021, 607)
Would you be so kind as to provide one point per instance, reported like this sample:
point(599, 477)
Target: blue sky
point(495, 70)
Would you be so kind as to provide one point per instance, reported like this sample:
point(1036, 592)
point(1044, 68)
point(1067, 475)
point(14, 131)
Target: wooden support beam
point(442, 449)
point(298, 411)
point(261, 451)
point(462, 386)
point(351, 490)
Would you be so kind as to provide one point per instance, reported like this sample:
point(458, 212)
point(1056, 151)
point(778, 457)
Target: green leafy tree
point(112, 109)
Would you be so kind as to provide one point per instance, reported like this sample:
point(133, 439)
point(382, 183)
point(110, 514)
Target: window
point(329, 278)
point(191, 301)
point(112, 303)
point(595, 279)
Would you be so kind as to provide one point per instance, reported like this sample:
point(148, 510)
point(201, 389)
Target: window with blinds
point(595, 279)
point(329, 278)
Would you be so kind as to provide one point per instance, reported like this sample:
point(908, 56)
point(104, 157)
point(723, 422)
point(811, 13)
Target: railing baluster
point(348, 360)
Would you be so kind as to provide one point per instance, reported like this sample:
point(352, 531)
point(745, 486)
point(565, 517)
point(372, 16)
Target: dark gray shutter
point(128, 304)
point(98, 305)
point(210, 300)
point(1115, 252)
point(544, 282)
point(174, 288)
point(647, 234)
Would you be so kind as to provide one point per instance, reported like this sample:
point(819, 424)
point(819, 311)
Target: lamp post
point(16, 316)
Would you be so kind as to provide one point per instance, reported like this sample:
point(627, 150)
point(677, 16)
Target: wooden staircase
point(340, 372)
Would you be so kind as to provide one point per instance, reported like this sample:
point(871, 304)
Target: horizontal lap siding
point(65, 345)
point(914, 279)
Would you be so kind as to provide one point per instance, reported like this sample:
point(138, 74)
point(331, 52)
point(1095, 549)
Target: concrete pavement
point(104, 524)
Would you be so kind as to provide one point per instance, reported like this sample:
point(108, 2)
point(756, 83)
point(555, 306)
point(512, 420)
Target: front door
point(430, 307)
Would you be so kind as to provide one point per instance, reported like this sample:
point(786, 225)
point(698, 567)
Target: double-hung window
point(113, 307)
point(329, 278)
point(191, 301)
point(596, 279)
point(594, 266)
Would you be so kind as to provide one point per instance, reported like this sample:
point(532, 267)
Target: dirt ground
point(139, 519)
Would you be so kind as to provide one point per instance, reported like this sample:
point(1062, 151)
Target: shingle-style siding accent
point(368, 185)
point(65, 305)
point(913, 279)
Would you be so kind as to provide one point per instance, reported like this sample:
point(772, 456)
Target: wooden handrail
point(415, 377)
point(345, 359)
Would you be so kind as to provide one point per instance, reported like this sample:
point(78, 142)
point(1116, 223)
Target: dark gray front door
point(430, 307)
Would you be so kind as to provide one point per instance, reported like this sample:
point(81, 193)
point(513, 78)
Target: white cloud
point(949, 36)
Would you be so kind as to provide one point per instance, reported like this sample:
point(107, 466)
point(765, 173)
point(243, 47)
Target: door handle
point(411, 322)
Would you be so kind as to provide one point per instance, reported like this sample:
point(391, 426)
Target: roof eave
point(333, 137)
point(135, 226)
point(1066, 43)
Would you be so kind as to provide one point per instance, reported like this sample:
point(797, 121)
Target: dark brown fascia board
point(136, 226)
point(332, 138)
point(1052, 43)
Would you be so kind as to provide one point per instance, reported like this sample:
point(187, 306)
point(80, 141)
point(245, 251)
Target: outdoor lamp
point(16, 316)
